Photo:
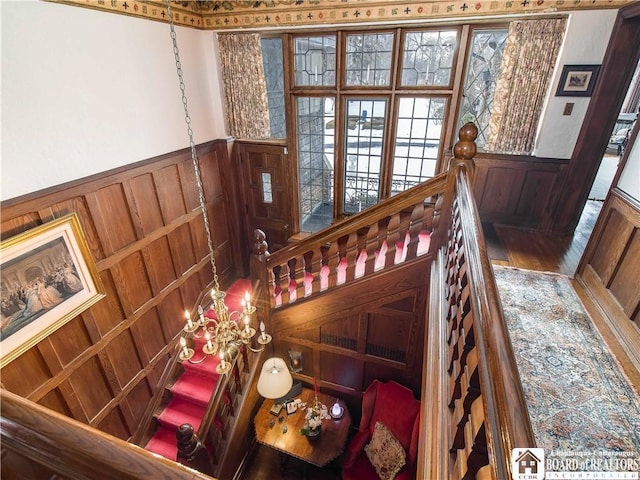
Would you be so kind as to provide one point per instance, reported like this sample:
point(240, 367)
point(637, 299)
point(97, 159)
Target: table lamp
point(275, 380)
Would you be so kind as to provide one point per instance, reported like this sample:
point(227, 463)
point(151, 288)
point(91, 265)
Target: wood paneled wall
point(372, 329)
point(146, 234)
point(516, 190)
point(609, 269)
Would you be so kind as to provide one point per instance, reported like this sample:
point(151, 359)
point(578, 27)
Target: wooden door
point(267, 193)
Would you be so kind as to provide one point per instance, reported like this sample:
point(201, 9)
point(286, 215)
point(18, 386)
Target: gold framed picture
point(47, 277)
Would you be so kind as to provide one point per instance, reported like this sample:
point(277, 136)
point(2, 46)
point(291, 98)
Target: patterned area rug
point(577, 395)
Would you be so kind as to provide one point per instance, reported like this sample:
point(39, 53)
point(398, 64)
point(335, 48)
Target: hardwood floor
point(533, 250)
point(265, 465)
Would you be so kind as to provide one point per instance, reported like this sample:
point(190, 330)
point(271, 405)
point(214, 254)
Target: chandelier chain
point(192, 145)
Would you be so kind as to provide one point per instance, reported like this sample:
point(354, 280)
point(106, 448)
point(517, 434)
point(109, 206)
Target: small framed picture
point(577, 80)
point(291, 407)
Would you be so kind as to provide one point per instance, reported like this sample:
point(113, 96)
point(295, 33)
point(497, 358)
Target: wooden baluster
point(191, 451)
point(403, 233)
point(392, 239)
point(324, 262)
point(374, 246)
point(351, 255)
point(361, 248)
point(276, 281)
point(333, 258)
point(415, 227)
point(343, 263)
point(299, 277)
point(295, 285)
point(310, 271)
point(284, 283)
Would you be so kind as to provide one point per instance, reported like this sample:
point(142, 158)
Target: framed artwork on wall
point(577, 80)
point(47, 277)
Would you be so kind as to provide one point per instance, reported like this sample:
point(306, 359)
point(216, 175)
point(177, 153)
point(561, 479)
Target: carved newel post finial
point(260, 245)
point(465, 149)
point(191, 451)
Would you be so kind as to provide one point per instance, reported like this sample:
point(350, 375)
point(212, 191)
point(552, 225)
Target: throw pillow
point(385, 452)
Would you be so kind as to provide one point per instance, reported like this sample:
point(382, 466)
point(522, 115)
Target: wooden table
point(318, 452)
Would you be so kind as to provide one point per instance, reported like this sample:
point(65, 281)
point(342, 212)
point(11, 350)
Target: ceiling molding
point(271, 14)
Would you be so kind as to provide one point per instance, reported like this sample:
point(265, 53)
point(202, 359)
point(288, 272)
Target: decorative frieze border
point(234, 15)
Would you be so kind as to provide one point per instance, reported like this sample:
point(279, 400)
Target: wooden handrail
point(509, 424)
point(388, 223)
point(77, 451)
point(386, 207)
point(473, 409)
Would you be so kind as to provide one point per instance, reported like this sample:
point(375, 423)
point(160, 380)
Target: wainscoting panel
point(517, 191)
point(609, 269)
point(373, 328)
point(145, 232)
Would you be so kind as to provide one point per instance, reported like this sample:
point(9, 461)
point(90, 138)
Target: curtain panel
point(245, 88)
point(528, 61)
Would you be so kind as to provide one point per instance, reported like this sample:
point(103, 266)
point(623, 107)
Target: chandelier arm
point(194, 157)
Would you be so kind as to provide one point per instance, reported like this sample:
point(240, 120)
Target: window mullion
point(454, 100)
point(291, 130)
point(392, 117)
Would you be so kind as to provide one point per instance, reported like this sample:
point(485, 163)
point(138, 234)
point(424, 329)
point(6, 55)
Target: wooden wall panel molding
point(144, 228)
point(517, 190)
point(609, 270)
point(373, 328)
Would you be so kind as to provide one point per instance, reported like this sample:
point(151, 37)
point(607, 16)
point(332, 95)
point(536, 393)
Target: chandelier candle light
point(225, 334)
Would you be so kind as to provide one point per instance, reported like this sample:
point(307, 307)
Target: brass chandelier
point(227, 332)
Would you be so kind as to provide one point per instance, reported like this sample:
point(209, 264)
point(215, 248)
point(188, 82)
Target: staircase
point(187, 398)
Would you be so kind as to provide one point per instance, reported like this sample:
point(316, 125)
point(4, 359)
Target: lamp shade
point(275, 379)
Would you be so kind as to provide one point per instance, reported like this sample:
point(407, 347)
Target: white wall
point(585, 43)
point(629, 181)
point(86, 91)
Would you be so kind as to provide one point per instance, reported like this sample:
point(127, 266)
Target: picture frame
point(47, 277)
point(292, 407)
point(577, 80)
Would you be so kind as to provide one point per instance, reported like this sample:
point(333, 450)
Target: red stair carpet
point(191, 392)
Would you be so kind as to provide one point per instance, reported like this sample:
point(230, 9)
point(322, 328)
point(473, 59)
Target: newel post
point(260, 275)
point(191, 451)
point(465, 149)
point(463, 152)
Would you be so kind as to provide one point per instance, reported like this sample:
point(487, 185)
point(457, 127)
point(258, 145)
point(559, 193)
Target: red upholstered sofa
point(394, 406)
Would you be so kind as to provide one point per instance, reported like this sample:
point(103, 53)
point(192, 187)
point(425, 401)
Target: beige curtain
point(245, 88)
point(529, 57)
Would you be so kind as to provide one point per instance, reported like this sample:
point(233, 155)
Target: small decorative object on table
point(313, 420)
point(336, 411)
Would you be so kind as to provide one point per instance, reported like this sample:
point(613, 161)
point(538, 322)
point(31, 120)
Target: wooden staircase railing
point(397, 229)
point(73, 450)
point(473, 408)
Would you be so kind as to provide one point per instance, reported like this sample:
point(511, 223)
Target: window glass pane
point(417, 141)
point(316, 125)
point(483, 68)
point(428, 57)
point(267, 193)
point(365, 131)
point(315, 60)
point(274, 75)
point(369, 59)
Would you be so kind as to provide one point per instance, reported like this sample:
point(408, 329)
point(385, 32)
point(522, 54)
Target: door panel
point(268, 198)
